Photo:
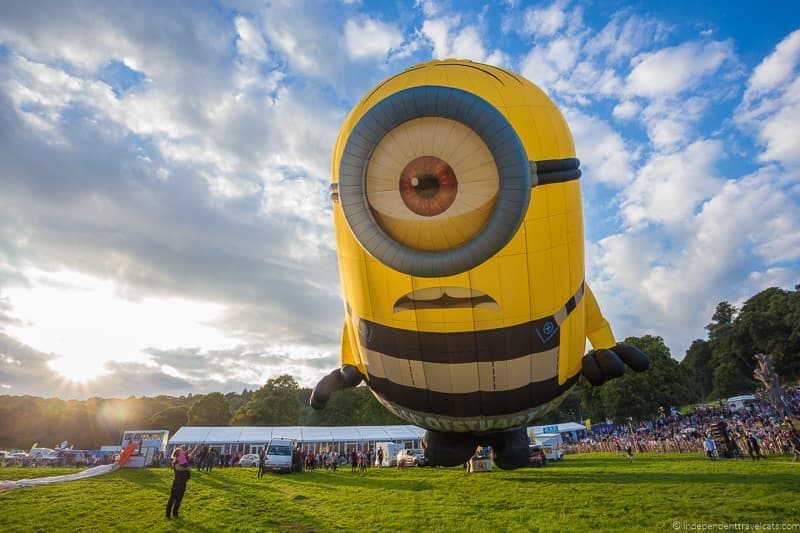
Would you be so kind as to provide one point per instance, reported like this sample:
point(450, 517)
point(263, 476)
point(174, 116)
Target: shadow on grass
point(145, 478)
point(646, 478)
point(226, 502)
point(335, 480)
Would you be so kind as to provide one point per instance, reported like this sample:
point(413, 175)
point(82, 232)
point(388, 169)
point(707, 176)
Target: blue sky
point(164, 223)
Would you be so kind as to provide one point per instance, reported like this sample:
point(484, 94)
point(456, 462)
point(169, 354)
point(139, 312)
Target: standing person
point(710, 447)
point(380, 457)
point(749, 444)
point(794, 443)
point(210, 457)
point(353, 460)
point(629, 450)
point(310, 460)
point(362, 461)
point(752, 444)
point(297, 464)
point(261, 462)
point(334, 460)
point(203, 457)
point(180, 467)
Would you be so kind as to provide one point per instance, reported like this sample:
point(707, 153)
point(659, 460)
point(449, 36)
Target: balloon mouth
point(445, 298)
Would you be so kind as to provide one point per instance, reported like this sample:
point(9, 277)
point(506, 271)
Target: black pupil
point(428, 186)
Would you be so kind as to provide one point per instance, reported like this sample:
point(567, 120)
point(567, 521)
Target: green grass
point(599, 491)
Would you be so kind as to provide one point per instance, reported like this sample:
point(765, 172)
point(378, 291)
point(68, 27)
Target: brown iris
point(428, 186)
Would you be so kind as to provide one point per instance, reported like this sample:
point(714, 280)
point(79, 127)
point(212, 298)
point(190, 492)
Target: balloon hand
point(341, 378)
point(599, 366)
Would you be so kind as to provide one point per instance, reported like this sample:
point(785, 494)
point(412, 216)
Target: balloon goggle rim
point(516, 177)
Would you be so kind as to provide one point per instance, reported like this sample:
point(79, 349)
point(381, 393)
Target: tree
point(699, 372)
point(732, 369)
point(209, 410)
point(639, 395)
point(171, 418)
point(235, 401)
point(275, 404)
point(723, 314)
point(769, 322)
point(353, 407)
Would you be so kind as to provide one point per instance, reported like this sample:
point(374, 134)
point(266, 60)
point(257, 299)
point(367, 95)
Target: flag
point(35, 444)
point(588, 424)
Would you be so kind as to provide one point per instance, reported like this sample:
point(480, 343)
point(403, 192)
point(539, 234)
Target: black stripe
point(558, 176)
point(570, 305)
point(554, 165)
point(499, 344)
point(471, 404)
point(555, 170)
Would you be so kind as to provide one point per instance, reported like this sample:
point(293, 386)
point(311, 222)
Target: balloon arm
point(598, 330)
point(348, 355)
point(342, 378)
point(349, 375)
point(608, 359)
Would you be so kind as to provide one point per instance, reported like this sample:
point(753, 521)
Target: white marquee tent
point(249, 439)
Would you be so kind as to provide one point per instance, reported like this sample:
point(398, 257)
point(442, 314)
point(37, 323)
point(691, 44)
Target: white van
point(551, 444)
point(278, 457)
point(390, 451)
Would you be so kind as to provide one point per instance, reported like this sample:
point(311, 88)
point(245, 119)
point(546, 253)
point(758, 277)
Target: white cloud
point(563, 52)
point(370, 38)
point(670, 71)
point(670, 124)
point(430, 8)
point(437, 32)
point(452, 40)
point(771, 104)
point(620, 40)
point(205, 181)
point(670, 283)
point(106, 326)
point(778, 68)
point(546, 21)
point(250, 42)
point(626, 110)
point(668, 188)
point(603, 152)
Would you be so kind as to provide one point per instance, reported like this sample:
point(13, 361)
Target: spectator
point(180, 467)
point(710, 447)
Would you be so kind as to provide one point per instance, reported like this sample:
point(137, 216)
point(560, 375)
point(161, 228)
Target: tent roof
point(564, 426)
point(743, 397)
point(254, 434)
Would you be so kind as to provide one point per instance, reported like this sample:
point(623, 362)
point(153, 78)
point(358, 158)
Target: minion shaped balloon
point(459, 228)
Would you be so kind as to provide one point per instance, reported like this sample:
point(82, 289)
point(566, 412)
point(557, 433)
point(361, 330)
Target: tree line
point(717, 367)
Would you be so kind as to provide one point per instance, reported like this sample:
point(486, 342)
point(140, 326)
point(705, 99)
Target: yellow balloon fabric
point(459, 227)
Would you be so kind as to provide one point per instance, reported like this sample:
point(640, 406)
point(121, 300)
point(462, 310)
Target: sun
point(77, 370)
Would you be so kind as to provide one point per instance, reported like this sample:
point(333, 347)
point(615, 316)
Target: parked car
point(536, 456)
point(38, 453)
point(278, 457)
point(250, 459)
point(411, 457)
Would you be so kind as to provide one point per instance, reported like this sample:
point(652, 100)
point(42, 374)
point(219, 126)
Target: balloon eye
point(403, 204)
point(432, 184)
point(428, 186)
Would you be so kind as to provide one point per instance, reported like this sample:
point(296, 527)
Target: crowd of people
point(309, 460)
point(754, 431)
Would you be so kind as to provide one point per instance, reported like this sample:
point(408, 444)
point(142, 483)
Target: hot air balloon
point(459, 232)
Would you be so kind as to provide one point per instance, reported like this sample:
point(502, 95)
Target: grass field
point(598, 491)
